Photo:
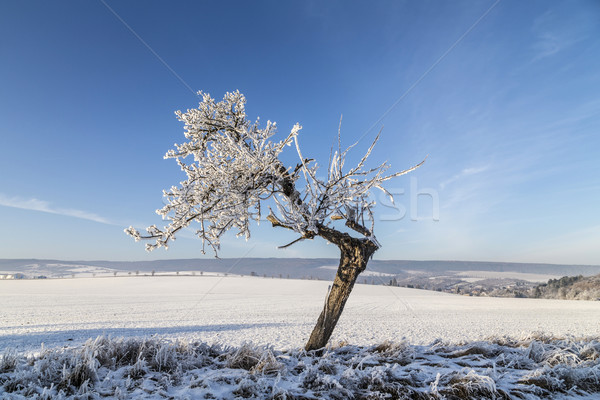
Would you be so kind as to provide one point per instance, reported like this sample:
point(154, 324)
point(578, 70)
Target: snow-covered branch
point(233, 167)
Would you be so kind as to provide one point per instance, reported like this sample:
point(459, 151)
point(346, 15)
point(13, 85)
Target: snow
point(192, 338)
point(278, 312)
point(474, 276)
point(532, 368)
point(59, 270)
point(365, 273)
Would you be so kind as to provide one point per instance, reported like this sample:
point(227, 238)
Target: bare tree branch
point(358, 228)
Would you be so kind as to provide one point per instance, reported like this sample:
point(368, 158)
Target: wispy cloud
point(554, 34)
point(463, 174)
point(44, 206)
point(548, 44)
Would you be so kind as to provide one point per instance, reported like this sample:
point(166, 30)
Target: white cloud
point(44, 206)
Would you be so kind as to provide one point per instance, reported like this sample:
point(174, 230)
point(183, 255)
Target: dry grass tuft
point(8, 360)
point(245, 357)
point(267, 364)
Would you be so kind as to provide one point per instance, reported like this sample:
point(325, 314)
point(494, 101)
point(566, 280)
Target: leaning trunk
point(355, 254)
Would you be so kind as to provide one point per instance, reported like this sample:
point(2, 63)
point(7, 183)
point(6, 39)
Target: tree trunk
point(355, 254)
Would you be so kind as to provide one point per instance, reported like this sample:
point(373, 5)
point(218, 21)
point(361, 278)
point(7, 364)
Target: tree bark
point(355, 253)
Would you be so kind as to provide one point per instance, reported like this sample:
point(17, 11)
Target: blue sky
point(502, 96)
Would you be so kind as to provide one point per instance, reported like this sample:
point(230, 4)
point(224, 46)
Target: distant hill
point(316, 268)
point(569, 288)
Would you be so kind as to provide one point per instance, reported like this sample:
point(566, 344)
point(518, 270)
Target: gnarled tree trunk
point(355, 253)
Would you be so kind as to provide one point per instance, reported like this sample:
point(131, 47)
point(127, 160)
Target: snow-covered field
point(363, 274)
point(474, 276)
point(266, 311)
point(58, 270)
point(229, 311)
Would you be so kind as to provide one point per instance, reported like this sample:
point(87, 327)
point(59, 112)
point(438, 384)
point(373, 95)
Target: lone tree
point(233, 169)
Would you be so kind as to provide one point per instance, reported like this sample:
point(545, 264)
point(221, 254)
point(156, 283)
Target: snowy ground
point(278, 312)
point(230, 311)
point(474, 276)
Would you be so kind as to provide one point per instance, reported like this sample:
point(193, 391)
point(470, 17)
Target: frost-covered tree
point(234, 172)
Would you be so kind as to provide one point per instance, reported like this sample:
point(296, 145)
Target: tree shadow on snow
point(33, 341)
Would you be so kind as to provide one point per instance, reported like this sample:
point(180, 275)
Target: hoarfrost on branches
point(233, 167)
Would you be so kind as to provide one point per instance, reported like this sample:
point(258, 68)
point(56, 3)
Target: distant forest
point(566, 288)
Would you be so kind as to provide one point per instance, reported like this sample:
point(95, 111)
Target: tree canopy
point(233, 168)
